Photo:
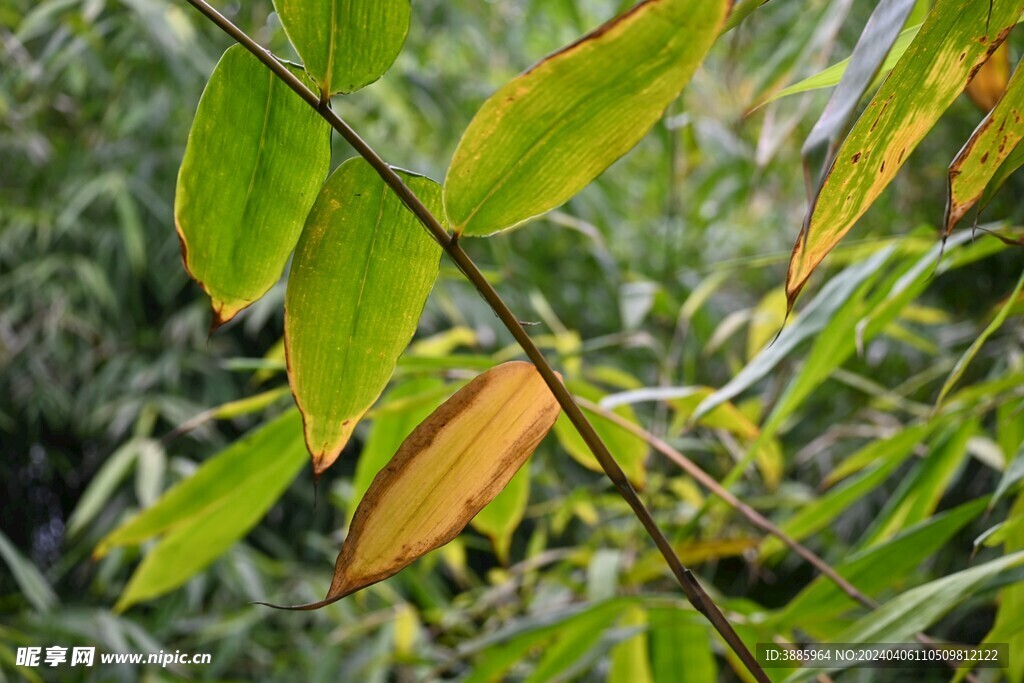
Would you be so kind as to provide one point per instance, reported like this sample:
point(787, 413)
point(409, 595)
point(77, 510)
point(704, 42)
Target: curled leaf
point(452, 465)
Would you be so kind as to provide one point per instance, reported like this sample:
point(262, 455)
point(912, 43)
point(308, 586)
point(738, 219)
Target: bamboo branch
point(693, 590)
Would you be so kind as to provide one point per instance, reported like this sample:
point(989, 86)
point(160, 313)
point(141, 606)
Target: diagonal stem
point(693, 590)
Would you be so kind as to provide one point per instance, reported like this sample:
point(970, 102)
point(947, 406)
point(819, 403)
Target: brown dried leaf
point(452, 465)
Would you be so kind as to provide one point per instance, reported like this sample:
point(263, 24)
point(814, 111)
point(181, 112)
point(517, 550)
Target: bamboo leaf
point(255, 158)
point(501, 517)
point(991, 143)
point(955, 40)
point(875, 568)
point(833, 75)
point(629, 660)
point(345, 44)
point(961, 364)
point(989, 84)
point(415, 400)
point(1012, 162)
point(918, 608)
point(812, 320)
point(1013, 474)
point(361, 275)
point(205, 514)
point(550, 131)
point(681, 647)
point(30, 581)
point(875, 42)
point(629, 451)
point(452, 465)
point(919, 493)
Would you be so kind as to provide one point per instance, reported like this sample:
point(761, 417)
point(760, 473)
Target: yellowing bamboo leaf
point(550, 131)
point(990, 144)
point(500, 518)
point(256, 156)
point(345, 44)
point(361, 275)
point(452, 465)
point(954, 41)
point(989, 84)
point(875, 42)
point(629, 451)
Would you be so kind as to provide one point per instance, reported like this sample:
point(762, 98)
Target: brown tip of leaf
point(301, 608)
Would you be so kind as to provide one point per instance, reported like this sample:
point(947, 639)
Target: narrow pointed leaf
point(952, 44)
point(961, 364)
point(982, 156)
point(833, 75)
point(361, 275)
point(256, 156)
point(550, 131)
point(446, 471)
point(1012, 475)
point(874, 44)
point(918, 608)
point(874, 569)
point(629, 451)
point(345, 44)
point(501, 517)
point(204, 515)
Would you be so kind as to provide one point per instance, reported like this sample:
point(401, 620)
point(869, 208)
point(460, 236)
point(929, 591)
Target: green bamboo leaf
point(919, 493)
point(992, 142)
point(205, 514)
point(547, 133)
point(255, 158)
point(345, 44)
point(833, 75)
point(905, 439)
point(681, 647)
point(1011, 476)
point(740, 11)
point(961, 364)
point(819, 514)
point(954, 41)
point(496, 654)
point(30, 581)
point(361, 275)
point(1009, 624)
point(812, 320)
point(874, 569)
point(918, 608)
point(630, 662)
point(629, 451)
point(500, 519)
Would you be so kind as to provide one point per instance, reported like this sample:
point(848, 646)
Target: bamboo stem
point(691, 587)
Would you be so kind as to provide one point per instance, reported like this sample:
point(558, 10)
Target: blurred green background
point(667, 271)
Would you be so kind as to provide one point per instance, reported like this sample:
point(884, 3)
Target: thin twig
point(694, 592)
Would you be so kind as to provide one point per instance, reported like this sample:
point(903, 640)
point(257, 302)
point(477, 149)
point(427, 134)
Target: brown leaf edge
point(415, 444)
